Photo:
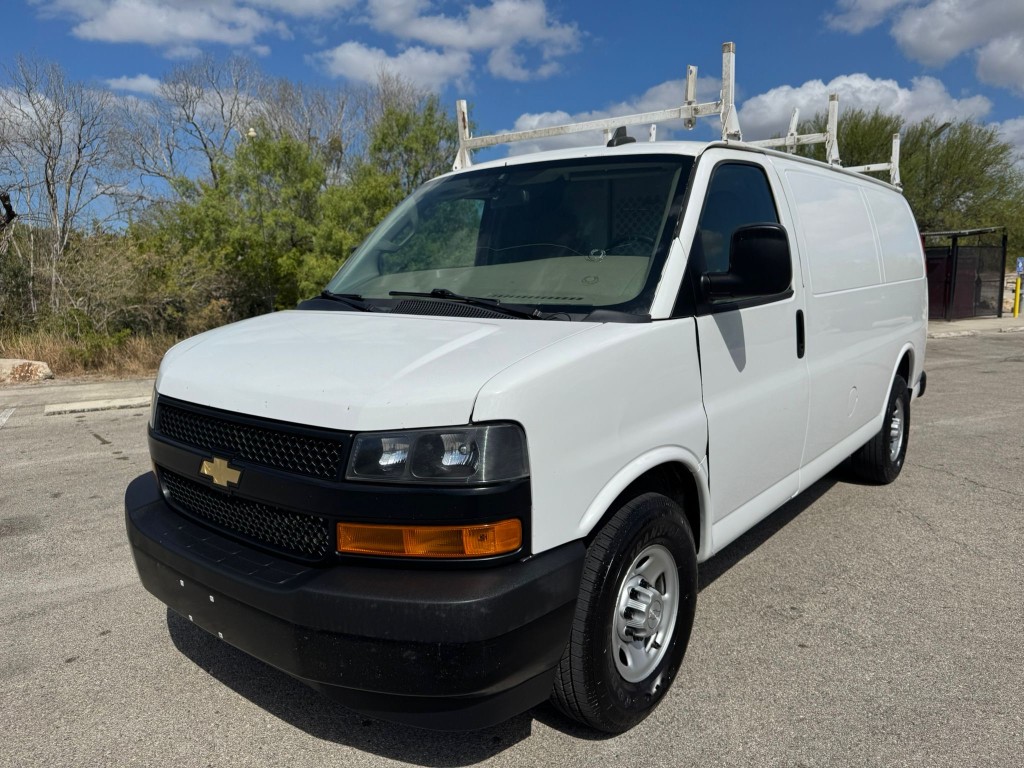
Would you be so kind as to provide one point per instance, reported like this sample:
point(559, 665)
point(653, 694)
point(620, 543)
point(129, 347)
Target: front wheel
point(881, 458)
point(633, 616)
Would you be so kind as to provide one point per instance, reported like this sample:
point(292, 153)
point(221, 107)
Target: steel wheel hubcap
point(896, 429)
point(645, 613)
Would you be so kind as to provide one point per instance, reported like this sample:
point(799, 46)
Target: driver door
point(755, 378)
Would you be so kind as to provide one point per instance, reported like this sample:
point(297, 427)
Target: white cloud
point(505, 27)
point(935, 32)
point(304, 8)
point(769, 113)
point(1013, 132)
point(175, 26)
point(422, 67)
point(1001, 63)
point(520, 39)
point(502, 23)
point(941, 30)
point(506, 63)
point(183, 52)
point(857, 15)
point(138, 84)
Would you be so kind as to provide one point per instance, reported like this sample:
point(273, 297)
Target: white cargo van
point(481, 469)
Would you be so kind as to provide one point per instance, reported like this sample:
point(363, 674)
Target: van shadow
point(720, 564)
point(289, 700)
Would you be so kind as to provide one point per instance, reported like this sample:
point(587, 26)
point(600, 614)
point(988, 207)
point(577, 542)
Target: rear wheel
point(881, 458)
point(633, 617)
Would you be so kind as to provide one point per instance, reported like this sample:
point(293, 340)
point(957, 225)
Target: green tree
point(349, 212)
point(255, 229)
point(272, 191)
point(956, 175)
point(411, 140)
point(413, 144)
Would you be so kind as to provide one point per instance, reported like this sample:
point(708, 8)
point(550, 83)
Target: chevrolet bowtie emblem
point(222, 473)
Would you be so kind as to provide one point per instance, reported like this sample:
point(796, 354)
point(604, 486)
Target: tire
point(881, 458)
point(633, 616)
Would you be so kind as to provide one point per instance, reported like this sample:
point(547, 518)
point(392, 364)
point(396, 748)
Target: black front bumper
point(452, 649)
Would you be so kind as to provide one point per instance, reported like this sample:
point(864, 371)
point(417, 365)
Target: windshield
point(558, 237)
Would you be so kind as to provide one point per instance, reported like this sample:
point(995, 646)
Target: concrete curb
point(87, 406)
point(951, 334)
point(1013, 329)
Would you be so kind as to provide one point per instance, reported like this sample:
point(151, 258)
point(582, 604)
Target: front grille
point(293, 533)
point(267, 446)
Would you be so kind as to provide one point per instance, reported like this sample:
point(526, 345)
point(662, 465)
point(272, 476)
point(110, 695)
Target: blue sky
point(523, 63)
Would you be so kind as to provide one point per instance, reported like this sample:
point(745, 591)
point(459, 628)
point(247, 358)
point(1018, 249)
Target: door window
point(738, 195)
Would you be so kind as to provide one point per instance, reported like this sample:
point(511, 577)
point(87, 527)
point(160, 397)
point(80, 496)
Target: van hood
point(349, 371)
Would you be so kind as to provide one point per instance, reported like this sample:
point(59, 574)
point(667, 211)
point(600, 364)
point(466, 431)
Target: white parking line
point(97, 405)
point(5, 415)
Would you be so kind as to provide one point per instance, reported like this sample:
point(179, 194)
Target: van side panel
point(591, 408)
point(864, 274)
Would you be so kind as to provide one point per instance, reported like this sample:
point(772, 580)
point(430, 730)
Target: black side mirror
point(759, 264)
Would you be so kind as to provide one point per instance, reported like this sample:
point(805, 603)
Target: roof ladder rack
point(830, 138)
point(893, 166)
point(688, 112)
point(792, 139)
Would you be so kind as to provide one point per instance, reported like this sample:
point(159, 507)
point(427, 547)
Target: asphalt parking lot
point(856, 626)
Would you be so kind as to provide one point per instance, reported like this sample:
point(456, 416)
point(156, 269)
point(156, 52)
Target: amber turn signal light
point(437, 541)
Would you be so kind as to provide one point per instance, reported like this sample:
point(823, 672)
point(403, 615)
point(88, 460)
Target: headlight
point(485, 454)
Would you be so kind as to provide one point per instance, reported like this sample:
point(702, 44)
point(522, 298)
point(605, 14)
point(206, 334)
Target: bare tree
point(317, 117)
point(389, 92)
point(58, 152)
point(194, 120)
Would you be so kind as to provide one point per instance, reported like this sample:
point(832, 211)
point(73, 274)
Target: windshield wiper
point(473, 301)
point(353, 300)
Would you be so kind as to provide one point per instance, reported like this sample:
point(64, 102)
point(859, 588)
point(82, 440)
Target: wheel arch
point(673, 472)
point(902, 366)
point(905, 366)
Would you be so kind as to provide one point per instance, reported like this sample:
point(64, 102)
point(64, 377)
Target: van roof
point(690, 148)
point(647, 148)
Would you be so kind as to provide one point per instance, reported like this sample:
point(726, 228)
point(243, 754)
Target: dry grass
point(118, 356)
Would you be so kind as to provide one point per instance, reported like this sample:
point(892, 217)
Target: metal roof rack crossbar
point(688, 112)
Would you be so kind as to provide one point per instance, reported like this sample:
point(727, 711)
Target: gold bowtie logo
point(222, 473)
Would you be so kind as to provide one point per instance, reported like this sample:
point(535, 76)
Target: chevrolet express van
point(480, 470)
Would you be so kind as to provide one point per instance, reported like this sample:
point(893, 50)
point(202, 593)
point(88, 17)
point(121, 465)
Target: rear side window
point(738, 195)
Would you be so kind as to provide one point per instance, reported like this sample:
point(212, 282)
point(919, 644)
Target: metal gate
point(965, 279)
